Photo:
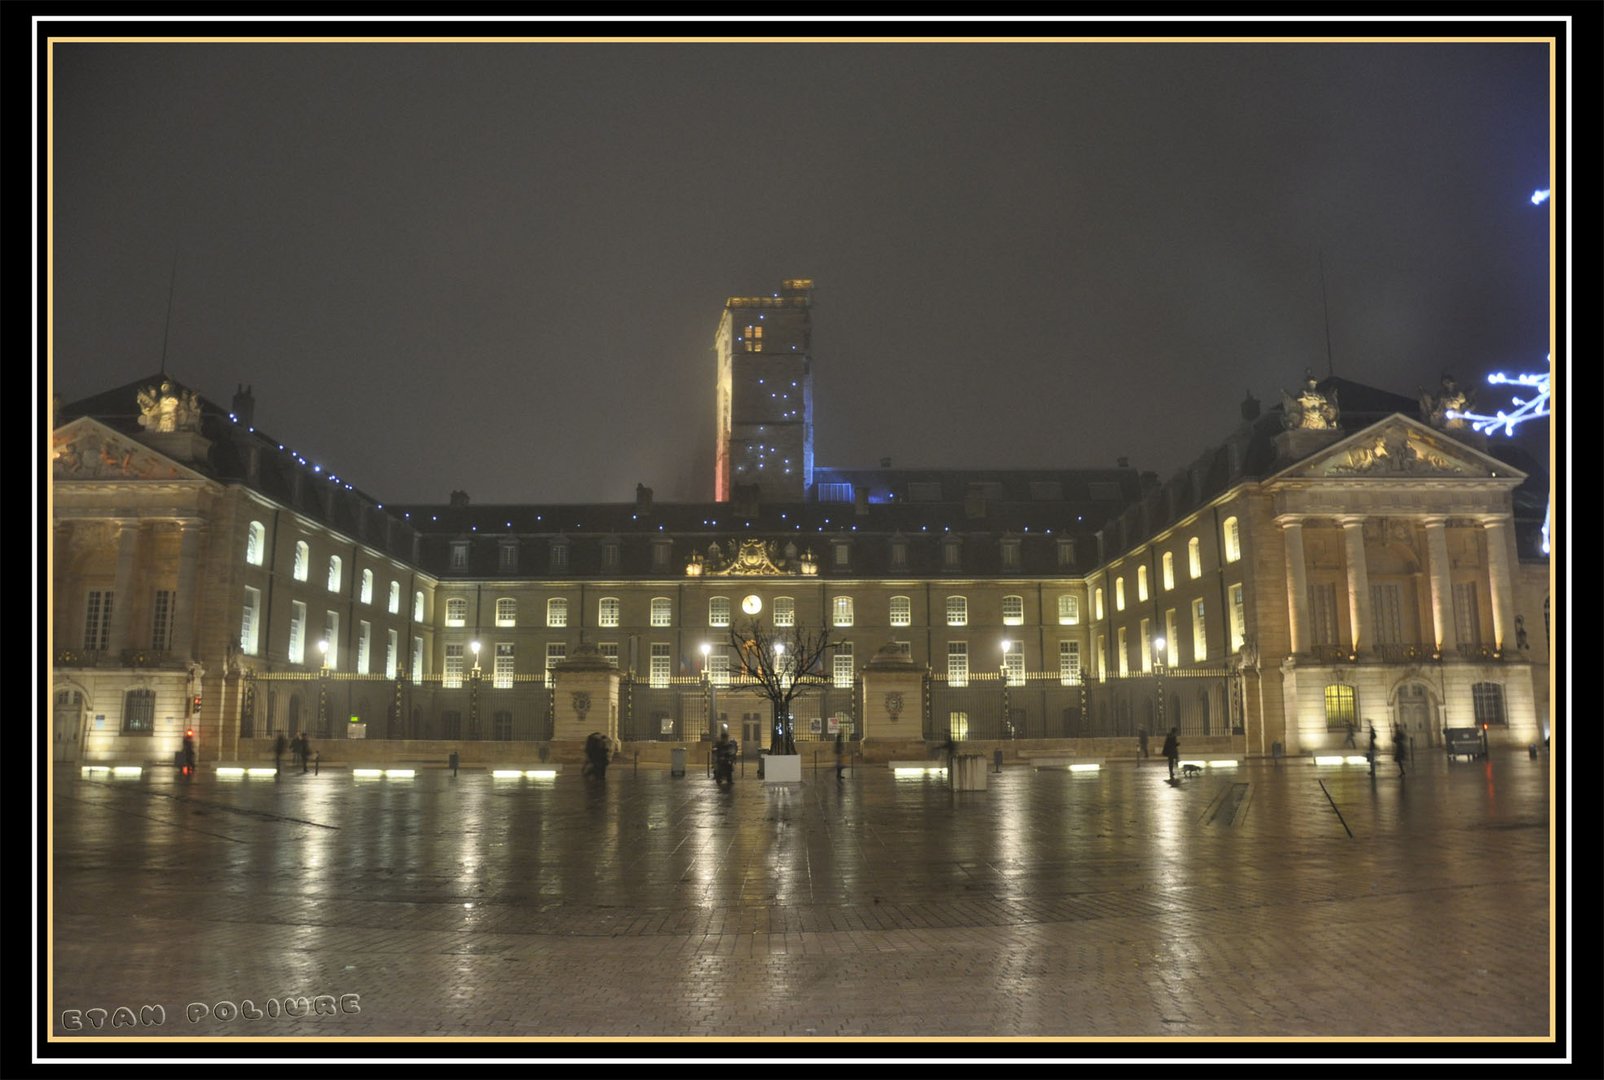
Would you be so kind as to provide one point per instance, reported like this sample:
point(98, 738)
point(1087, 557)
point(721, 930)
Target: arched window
point(256, 543)
point(607, 611)
point(1098, 606)
point(662, 611)
point(456, 611)
point(395, 598)
point(303, 556)
point(417, 606)
point(1341, 707)
point(1068, 609)
point(1488, 699)
point(335, 566)
point(901, 611)
point(557, 611)
point(842, 611)
point(1141, 583)
point(1233, 540)
point(957, 611)
point(1013, 610)
point(718, 611)
point(1169, 569)
point(506, 611)
point(1119, 593)
point(367, 586)
point(784, 611)
point(1194, 557)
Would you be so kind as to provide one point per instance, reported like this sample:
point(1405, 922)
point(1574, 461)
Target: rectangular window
point(1013, 610)
point(1010, 554)
point(610, 555)
point(958, 725)
point(843, 554)
point(1169, 570)
point(161, 620)
point(456, 611)
point(1233, 540)
point(924, 491)
point(417, 659)
point(950, 555)
point(1387, 614)
point(559, 558)
point(753, 338)
point(718, 611)
point(1172, 644)
point(1066, 553)
point(661, 552)
point(363, 643)
point(395, 600)
point(1014, 663)
point(249, 637)
point(334, 573)
point(1046, 491)
point(905, 648)
point(1323, 614)
point(843, 611)
point(139, 712)
point(718, 666)
point(297, 632)
point(1487, 699)
point(556, 651)
point(417, 606)
point(901, 611)
point(1194, 557)
point(1200, 640)
point(459, 555)
point(1141, 583)
point(607, 611)
point(899, 555)
point(1239, 617)
point(957, 663)
point(1069, 662)
point(1068, 610)
point(331, 634)
point(1124, 663)
point(660, 669)
point(1341, 707)
point(97, 620)
point(1467, 626)
point(957, 611)
point(609, 651)
point(367, 586)
point(501, 676)
point(662, 611)
point(557, 612)
point(1102, 657)
point(508, 558)
point(843, 665)
point(833, 492)
point(452, 676)
point(1147, 647)
point(1119, 593)
point(784, 611)
point(392, 641)
point(506, 612)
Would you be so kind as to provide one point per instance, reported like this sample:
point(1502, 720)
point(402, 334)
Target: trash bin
point(677, 761)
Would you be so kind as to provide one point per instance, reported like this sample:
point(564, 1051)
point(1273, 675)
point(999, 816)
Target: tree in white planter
point(780, 664)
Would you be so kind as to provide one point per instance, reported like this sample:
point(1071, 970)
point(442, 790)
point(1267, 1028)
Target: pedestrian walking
point(306, 752)
point(840, 753)
point(1350, 736)
point(1172, 750)
point(1141, 745)
point(1370, 755)
point(279, 745)
point(295, 747)
point(189, 754)
point(1400, 747)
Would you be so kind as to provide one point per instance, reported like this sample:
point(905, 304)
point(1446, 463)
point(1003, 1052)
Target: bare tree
point(781, 664)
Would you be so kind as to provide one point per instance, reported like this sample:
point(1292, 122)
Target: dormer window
point(559, 556)
point(507, 560)
point(459, 554)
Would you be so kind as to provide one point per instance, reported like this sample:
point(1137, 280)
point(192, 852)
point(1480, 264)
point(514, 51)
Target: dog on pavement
point(1191, 770)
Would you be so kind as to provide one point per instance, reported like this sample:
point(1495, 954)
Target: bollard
point(317, 759)
point(453, 759)
point(996, 759)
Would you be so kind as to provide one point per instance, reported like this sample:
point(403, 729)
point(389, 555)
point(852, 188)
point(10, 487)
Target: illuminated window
point(507, 556)
point(1194, 557)
point(364, 639)
point(1014, 663)
point(1147, 647)
point(297, 647)
point(957, 611)
point(1013, 610)
point(1069, 662)
point(459, 555)
point(249, 633)
point(451, 678)
point(1172, 646)
point(367, 587)
point(255, 543)
point(501, 675)
point(1488, 700)
point(506, 611)
point(784, 611)
point(753, 339)
point(1124, 652)
point(456, 611)
point(662, 611)
point(1068, 610)
point(607, 611)
point(609, 652)
point(843, 665)
point(390, 646)
point(1341, 707)
point(556, 651)
point(843, 611)
point(1200, 640)
point(557, 611)
point(417, 606)
point(660, 664)
point(1141, 583)
point(958, 725)
point(161, 620)
point(1119, 593)
point(1169, 570)
point(139, 712)
point(1233, 539)
point(718, 611)
point(1238, 618)
point(901, 611)
point(395, 600)
point(417, 659)
point(1097, 606)
point(1102, 662)
point(334, 573)
point(331, 634)
point(957, 663)
point(303, 558)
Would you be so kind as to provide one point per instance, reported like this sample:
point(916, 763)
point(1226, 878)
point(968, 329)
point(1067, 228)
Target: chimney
point(860, 501)
point(643, 498)
point(244, 407)
point(459, 498)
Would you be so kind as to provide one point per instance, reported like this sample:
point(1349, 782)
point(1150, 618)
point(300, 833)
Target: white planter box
point(782, 768)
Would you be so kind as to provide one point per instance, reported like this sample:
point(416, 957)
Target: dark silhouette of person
point(306, 752)
point(1350, 741)
point(1141, 745)
point(1172, 750)
point(840, 753)
point(596, 754)
point(1370, 754)
point(189, 753)
point(1400, 747)
point(279, 745)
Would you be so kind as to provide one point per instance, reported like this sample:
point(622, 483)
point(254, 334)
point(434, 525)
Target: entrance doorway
point(68, 726)
point(1415, 715)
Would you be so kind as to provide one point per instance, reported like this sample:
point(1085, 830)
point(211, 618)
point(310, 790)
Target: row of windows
point(98, 606)
point(1342, 704)
point(255, 551)
point(1194, 558)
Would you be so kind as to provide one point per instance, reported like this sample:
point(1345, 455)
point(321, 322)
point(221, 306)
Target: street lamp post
point(712, 689)
point(474, 679)
point(782, 722)
point(1158, 670)
point(1002, 675)
point(323, 689)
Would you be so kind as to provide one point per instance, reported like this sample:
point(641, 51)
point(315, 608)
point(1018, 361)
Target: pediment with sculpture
point(751, 558)
point(1399, 447)
point(87, 450)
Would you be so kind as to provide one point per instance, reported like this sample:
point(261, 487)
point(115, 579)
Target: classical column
point(1297, 582)
point(123, 588)
point(1353, 545)
point(184, 601)
point(1442, 593)
point(1499, 578)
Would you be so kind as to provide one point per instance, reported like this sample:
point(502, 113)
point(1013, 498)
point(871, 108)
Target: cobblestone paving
point(1108, 905)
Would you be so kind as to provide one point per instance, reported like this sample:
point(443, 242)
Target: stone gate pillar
point(586, 696)
point(893, 697)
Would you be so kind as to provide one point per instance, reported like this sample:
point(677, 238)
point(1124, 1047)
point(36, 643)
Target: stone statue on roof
point(1445, 411)
point(168, 409)
point(1311, 409)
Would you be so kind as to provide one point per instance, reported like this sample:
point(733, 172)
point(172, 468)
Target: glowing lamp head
point(706, 648)
point(474, 645)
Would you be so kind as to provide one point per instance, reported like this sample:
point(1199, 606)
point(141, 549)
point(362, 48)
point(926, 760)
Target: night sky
point(499, 267)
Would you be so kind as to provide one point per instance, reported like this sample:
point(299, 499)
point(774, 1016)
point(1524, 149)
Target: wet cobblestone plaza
point(1111, 904)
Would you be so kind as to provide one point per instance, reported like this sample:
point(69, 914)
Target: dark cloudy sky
point(498, 267)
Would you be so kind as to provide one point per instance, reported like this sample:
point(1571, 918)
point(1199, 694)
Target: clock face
point(752, 605)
